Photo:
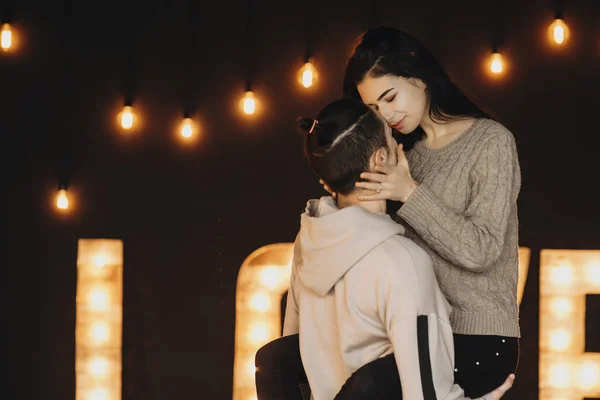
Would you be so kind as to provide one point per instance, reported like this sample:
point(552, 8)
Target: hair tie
point(315, 122)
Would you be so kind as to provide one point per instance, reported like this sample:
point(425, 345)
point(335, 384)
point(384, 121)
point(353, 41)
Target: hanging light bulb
point(6, 37)
point(187, 128)
point(248, 103)
point(307, 75)
point(558, 32)
point(127, 117)
point(496, 64)
point(62, 200)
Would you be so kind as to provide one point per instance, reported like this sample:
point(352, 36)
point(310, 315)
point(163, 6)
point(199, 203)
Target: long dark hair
point(389, 51)
point(341, 140)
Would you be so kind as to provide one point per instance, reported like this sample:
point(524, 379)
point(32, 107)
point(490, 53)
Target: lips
point(399, 125)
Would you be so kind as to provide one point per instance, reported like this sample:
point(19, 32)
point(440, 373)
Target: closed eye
point(390, 99)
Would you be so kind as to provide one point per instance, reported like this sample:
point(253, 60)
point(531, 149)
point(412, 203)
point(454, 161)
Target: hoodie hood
point(331, 241)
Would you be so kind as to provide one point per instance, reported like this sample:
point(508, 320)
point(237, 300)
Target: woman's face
point(403, 102)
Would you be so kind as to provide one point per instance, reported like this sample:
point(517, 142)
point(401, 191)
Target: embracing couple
point(416, 304)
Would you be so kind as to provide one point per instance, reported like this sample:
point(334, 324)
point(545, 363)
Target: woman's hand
point(389, 182)
point(497, 393)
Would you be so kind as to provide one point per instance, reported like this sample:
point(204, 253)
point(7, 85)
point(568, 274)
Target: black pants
point(482, 364)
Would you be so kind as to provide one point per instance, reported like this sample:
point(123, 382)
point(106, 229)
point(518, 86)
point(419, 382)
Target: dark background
point(189, 215)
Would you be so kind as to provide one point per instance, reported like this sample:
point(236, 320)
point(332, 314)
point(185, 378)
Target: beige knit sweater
point(464, 214)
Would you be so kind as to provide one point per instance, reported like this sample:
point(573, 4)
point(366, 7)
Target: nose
point(386, 112)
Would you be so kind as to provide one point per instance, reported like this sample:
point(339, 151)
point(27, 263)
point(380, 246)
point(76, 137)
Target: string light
point(558, 32)
point(6, 37)
point(307, 75)
point(62, 200)
point(496, 64)
point(127, 118)
point(249, 103)
point(187, 128)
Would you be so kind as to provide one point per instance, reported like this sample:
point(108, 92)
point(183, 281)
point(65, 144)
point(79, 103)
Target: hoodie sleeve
point(430, 376)
point(291, 322)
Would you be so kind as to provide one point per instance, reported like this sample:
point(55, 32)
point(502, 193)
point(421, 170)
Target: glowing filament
point(249, 103)
point(62, 200)
point(100, 261)
point(496, 63)
point(98, 299)
point(99, 394)
point(593, 273)
point(99, 332)
point(187, 128)
point(588, 375)
point(260, 302)
point(6, 37)
point(559, 374)
point(558, 32)
point(307, 75)
point(98, 366)
point(259, 334)
point(561, 307)
point(562, 275)
point(560, 340)
point(127, 117)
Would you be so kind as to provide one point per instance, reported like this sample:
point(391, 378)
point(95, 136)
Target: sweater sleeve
point(429, 379)
point(474, 239)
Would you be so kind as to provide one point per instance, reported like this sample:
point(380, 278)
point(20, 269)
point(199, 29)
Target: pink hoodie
point(359, 291)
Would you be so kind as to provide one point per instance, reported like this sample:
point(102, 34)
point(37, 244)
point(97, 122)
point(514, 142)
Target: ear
point(380, 157)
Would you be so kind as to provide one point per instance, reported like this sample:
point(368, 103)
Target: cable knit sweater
point(464, 214)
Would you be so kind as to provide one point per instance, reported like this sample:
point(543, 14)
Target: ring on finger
point(380, 187)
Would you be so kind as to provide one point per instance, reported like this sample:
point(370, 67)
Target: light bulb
point(99, 394)
point(561, 307)
point(248, 103)
point(559, 375)
point(98, 299)
point(62, 200)
point(6, 37)
point(589, 375)
point(260, 302)
point(496, 64)
point(558, 32)
point(127, 117)
point(560, 340)
point(271, 277)
point(187, 128)
point(259, 334)
point(562, 275)
point(100, 261)
point(99, 332)
point(307, 75)
point(98, 366)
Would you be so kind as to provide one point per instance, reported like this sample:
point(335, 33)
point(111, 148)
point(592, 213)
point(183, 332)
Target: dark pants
point(482, 364)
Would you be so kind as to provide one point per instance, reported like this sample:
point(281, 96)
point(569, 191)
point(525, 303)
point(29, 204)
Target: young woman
point(458, 186)
point(359, 289)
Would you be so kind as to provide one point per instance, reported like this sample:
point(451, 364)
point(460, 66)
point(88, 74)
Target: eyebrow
point(384, 93)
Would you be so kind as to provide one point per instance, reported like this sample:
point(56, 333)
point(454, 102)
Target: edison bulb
point(98, 366)
point(6, 37)
point(187, 128)
point(307, 75)
point(558, 32)
point(496, 64)
point(259, 333)
point(99, 332)
point(127, 117)
point(62, 200)
point(260, 302)
point(249, 103)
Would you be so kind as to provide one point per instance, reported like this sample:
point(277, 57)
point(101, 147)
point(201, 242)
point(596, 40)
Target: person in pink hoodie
point(360, 290)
